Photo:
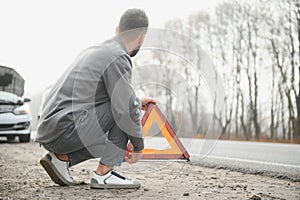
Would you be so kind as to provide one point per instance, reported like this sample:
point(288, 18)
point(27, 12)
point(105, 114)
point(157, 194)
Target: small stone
point(255, 197)
point(38, 190)
point(146, 189)
point(186, 194)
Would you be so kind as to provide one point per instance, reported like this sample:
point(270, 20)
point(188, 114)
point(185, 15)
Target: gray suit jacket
point(99, 74)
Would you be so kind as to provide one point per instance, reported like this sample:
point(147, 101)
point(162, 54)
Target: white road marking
point(250, 161)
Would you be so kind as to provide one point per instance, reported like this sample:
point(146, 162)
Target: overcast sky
point(40, 39)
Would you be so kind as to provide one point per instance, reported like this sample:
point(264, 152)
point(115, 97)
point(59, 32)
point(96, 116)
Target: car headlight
point(22, 110)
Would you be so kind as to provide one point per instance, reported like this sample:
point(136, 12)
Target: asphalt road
point(274, 159)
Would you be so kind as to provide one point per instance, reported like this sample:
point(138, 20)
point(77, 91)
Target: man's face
point(139, 43)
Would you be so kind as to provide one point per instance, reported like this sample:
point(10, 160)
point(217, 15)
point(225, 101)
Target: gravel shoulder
point(22, 177)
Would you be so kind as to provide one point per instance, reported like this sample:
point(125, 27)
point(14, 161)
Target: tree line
point(255, 47)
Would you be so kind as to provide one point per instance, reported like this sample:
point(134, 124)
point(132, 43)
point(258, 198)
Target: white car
point(15, 117)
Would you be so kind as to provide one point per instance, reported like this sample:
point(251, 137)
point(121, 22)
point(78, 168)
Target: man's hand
point(145, 101)
point(133, 157)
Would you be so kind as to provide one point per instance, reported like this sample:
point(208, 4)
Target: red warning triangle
point(154, 117)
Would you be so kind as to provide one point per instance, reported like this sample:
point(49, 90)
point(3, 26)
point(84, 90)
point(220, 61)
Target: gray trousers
point(109, 144)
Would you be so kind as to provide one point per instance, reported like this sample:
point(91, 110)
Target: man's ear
point(117, 30)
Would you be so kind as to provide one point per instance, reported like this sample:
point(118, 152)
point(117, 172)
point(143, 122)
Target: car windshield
point(8, 98)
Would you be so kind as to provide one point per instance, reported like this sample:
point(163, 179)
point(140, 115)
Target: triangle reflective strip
point(154, 117)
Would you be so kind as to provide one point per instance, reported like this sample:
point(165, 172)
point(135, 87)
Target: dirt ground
point(22, 177)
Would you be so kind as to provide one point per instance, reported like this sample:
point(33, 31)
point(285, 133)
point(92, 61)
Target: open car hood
point(11, 81)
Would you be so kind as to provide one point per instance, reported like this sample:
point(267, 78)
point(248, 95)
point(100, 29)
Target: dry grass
point(261, 139)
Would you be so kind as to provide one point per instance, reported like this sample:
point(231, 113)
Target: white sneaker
point(112, 180)
point(57, 170)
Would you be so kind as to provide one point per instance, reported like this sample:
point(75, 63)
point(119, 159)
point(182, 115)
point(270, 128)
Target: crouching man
point(92, 111)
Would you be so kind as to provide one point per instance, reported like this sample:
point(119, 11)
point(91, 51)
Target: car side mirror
point(27, 100)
